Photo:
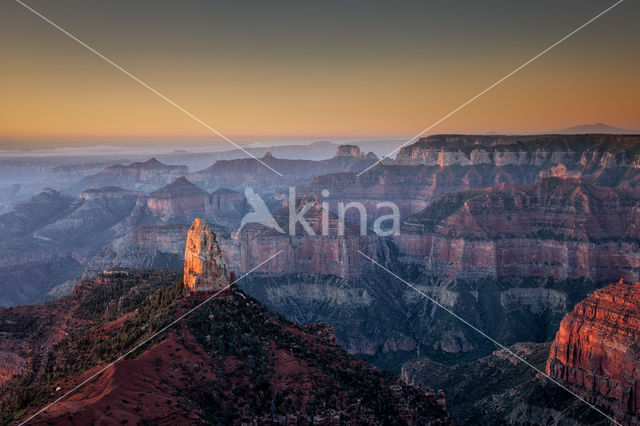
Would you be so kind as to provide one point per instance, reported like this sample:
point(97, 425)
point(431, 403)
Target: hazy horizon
point(216, 146)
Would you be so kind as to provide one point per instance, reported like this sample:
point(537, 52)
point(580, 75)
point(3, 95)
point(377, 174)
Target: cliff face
point(441, 164)
point(498, 389)
point(596, 350)
point(559, 228)
point(328, 253)
point(180, 199)
point(412, 187)
point(163, 246)
point(229, 204)
point(585, 152)
point(204, 267)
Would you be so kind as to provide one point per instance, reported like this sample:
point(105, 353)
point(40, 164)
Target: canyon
point(214, 366)
point(559, 228)
point(54, 238)
point(522, 227)
point(440, 164)
point(516, 247)
point(594, 354)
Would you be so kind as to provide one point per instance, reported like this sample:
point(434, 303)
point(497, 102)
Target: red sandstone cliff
point(440, 164)
point(557, 228)
point(597, 350)
point(328, 254)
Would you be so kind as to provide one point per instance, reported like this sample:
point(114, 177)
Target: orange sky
point(348, 83)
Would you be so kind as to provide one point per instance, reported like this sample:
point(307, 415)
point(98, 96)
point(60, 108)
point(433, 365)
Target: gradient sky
point(256, 70)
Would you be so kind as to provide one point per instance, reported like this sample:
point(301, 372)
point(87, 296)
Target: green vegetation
point(242, 330)
point(85, 348)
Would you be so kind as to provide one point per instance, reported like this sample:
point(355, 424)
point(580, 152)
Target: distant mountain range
point(595, 128)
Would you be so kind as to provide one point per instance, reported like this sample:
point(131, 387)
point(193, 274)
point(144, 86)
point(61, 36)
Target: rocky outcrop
point(331, 254)
point(204, 267)
point(164, 245)
point(596, 350)
point(559, 228)
point(349, 151)
point(143, 176)
point(179, 200)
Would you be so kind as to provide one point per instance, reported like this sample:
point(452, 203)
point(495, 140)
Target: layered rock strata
point(597, 350)
point(558, 228)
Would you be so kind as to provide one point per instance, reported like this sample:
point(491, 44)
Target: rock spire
point(204, 267)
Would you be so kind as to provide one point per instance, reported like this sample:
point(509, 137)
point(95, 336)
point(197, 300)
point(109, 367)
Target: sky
point(329, 69)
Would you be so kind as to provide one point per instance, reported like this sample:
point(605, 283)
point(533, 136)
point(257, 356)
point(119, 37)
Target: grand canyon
point(319, 213)
point(521, 237)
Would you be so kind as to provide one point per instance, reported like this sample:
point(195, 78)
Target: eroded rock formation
point(597, 350)
point(204, 267)
point(179, 199)
point(559, 228)
point(321, 249)
point(349, 151)
point(586, 152)
point(145, 176)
